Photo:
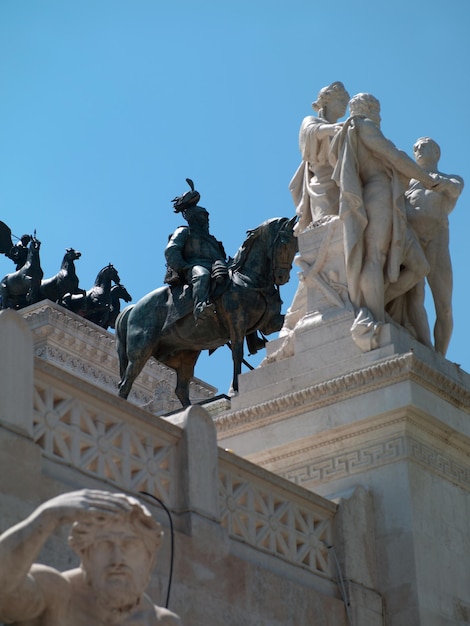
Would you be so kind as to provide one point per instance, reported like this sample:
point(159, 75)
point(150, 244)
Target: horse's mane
point(239, 260)
point(105, 269)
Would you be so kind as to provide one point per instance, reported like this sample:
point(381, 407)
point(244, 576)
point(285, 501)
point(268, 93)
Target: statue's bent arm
point(175, 246)
point(23, 594)
point(453, 187)
point(372, 137)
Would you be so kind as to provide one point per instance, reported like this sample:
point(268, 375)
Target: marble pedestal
point(394, 421)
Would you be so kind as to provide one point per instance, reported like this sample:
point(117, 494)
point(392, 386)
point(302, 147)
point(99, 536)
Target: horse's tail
point(120, 327)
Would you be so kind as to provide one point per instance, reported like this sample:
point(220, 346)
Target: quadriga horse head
point(120, 292)
point(71, 254)
point(33, 250)
point(34, 244)
point(108, 273)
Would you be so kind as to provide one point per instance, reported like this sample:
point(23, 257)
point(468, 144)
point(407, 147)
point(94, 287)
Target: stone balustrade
point(259, 509)
point(93, 437)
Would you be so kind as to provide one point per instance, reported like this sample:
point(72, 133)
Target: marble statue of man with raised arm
point(116, 539)
point(373, 175)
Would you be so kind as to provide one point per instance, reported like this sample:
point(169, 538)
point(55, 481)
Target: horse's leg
point(3, 296)
point(237, 359)
point(126, 370)
point(131, 372)
point(184, 363)
point(122, 354)
point(131, 364)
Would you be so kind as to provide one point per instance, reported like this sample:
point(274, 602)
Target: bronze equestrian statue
point(174, 325)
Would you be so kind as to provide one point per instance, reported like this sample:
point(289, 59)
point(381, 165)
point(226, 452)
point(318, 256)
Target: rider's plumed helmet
point(187, 200)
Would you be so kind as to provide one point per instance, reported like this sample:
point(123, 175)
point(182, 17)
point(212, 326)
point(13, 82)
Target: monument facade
point(332, 489)
point(354, 394)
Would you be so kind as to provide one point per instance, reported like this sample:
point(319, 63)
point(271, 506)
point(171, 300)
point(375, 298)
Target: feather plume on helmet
point(187, 200)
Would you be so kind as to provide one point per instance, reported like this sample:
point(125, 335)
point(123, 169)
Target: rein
point(243, 280)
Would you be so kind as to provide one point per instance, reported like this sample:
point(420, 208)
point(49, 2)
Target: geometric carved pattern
point(338, 466)
point(266, 520)
point(436, 461)
point(341, 465)
point(101, 445)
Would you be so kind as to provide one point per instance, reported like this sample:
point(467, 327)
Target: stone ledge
point(380, 375)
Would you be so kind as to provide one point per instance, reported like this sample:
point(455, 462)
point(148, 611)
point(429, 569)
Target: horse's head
point(284, 248)
point(72, 255)
point(111, 273)
point(34, 245)
point(119, 291)
point(268, 251)
point(106, 276)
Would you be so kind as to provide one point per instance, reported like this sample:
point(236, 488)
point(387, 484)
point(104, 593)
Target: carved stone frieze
point(326, 468)
point(343, 452)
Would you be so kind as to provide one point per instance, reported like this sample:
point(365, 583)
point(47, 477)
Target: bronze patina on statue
point(193, 254)
point(209, 301)
point(25, 286)
point(21, 288)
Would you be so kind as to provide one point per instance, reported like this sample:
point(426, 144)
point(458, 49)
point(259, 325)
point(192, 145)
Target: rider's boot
point(202, 307)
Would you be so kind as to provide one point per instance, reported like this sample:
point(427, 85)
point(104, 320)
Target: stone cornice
point(88, 351)
point(382, 374)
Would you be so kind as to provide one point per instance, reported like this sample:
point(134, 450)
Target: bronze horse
point(162, 325)
point(65, 281)
point(118, 293)
point(94, 304)
point(21, 288)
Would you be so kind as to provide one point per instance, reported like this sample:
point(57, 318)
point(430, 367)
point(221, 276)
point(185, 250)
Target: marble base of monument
point(393, 421)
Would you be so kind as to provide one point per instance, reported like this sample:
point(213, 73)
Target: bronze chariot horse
point(21, 288)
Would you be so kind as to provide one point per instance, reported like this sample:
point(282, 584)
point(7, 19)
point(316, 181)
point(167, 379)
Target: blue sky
point(108, 105)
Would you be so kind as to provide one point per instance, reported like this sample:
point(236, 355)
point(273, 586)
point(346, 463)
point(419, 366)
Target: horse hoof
point(232, 393)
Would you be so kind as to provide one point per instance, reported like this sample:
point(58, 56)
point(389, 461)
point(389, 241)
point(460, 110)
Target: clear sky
point(108, 105)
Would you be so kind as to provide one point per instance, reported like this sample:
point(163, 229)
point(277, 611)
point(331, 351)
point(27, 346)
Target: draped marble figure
point(315, 193)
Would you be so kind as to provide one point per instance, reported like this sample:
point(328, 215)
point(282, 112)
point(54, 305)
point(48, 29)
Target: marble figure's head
point(426, 148)
point(117, 553)
point(367, 105)
point(336, 92)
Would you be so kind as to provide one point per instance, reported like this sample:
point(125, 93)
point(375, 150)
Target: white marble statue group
point(394, 211)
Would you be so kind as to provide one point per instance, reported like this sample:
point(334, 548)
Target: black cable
point(172, 541)
point(341, 585)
